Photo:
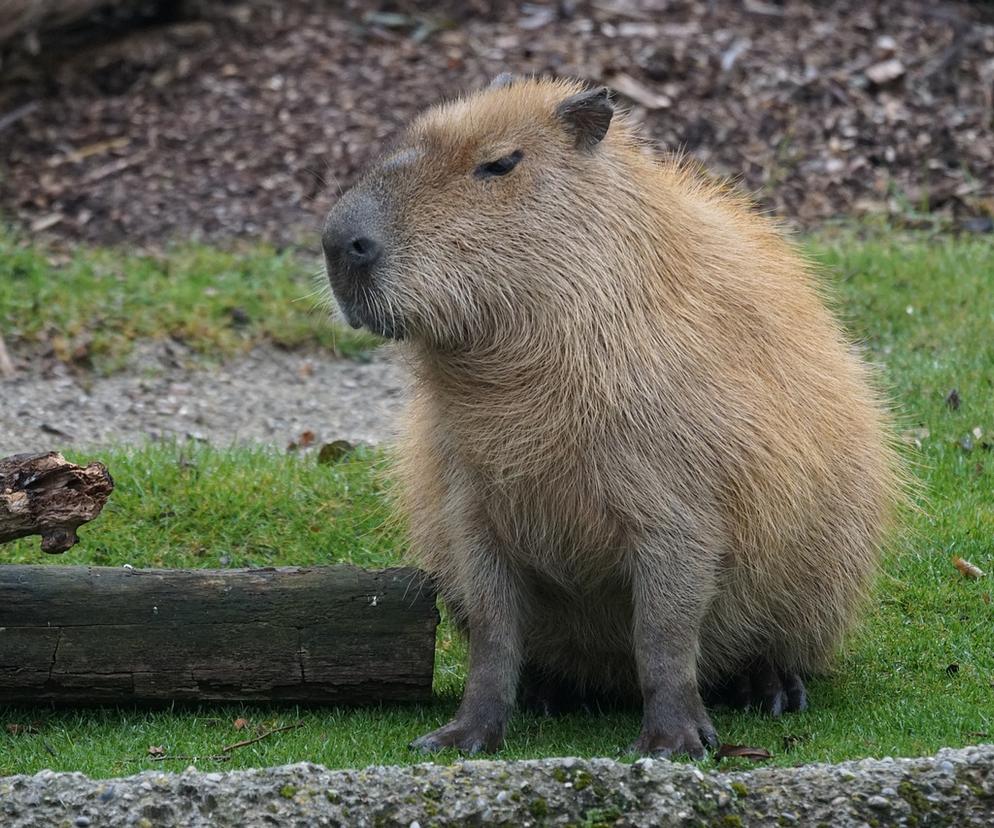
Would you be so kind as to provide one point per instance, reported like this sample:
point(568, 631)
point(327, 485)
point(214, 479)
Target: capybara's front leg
point(493, 612)
point(671, 583)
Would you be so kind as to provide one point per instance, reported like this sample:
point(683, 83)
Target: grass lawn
point(916, 676)
point(89, 308)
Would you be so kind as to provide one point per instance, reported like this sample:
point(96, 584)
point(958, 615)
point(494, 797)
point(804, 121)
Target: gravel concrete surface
point(956, 787)
point(267, 396)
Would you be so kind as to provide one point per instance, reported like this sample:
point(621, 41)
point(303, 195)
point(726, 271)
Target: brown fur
point(629, 391)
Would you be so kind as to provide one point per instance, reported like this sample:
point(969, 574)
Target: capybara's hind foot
point(761, 686)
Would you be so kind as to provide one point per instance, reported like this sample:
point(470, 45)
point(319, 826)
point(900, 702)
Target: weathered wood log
point(330, 635)
point(43, 494)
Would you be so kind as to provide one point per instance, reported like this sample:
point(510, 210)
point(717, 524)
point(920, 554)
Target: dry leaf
point(639, 92)
point(743, 752)
point(968, 569)
point(156, 750)
point(241, 724)
point(15, 729)
point(305, 439)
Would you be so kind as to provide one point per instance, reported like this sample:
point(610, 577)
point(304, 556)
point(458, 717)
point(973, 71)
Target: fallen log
point(44, 494)
point(329, 635)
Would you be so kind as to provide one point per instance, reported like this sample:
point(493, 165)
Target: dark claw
point(469, 738)
point(709, 738)
point(767, 691)
point(682, 732)
point(430, 744)
point(685, 748)
point(797, 695)
point(761, 686)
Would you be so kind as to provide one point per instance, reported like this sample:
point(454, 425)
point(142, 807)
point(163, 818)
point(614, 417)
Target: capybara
point(641, 460)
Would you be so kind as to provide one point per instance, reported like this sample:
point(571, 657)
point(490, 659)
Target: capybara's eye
point(502, 166)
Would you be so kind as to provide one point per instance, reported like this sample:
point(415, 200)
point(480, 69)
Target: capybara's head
point(491, 210)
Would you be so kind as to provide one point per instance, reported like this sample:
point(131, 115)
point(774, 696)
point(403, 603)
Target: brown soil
point(267, 396)
point(243, 120)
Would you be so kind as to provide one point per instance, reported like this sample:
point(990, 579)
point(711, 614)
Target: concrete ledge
point(956, 787)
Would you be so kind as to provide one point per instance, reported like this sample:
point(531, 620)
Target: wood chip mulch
point(246, 119)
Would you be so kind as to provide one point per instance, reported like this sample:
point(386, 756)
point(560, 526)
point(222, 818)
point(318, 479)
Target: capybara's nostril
point(362, 251)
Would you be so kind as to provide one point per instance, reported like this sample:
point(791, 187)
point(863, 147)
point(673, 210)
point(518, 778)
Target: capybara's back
point(642, 456)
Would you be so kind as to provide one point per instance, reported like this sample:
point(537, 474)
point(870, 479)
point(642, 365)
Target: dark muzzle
point(354, 243)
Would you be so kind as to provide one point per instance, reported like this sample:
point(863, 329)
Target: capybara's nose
point(353, 238)
point(349, 250)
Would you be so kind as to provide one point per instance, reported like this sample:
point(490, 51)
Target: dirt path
point(268, 396)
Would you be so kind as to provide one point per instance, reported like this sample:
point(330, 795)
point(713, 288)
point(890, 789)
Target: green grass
point(90, 308)
point(894, 691)
point(186, 505)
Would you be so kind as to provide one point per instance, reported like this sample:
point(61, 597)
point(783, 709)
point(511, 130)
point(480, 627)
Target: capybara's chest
point(567, 528)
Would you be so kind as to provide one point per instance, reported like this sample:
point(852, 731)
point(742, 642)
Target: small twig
point(113, 168)
point(259, 738)
point(15, 115)
point(225, 753)
point(6, 366)
point(221, 757)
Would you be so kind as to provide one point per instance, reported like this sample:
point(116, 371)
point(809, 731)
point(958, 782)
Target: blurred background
point(147, 121)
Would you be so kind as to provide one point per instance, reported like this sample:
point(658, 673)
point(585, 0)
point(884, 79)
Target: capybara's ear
point(586, 116)
point(502, 80)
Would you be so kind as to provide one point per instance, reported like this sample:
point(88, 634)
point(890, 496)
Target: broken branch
point(44, 494)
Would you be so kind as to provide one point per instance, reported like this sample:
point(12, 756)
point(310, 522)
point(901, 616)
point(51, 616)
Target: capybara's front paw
point(469, 737)
point(679, 734)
